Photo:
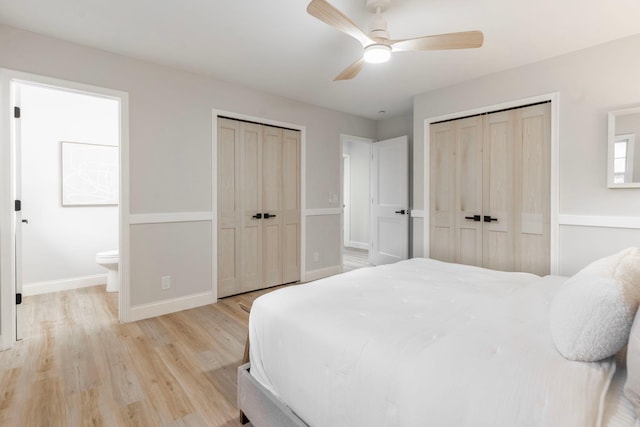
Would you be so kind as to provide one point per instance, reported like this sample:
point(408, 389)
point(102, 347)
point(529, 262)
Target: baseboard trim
point(38, 288)
point(358, 245)
point(322, 273)
point(154, 309)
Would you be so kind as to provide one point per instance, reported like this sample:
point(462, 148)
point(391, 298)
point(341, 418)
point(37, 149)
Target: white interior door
point(389, 201)
point(17, 138)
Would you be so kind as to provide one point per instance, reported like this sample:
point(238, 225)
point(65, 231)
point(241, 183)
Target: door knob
point(475, 217)
point(401, 212)
point(268, 215)
point(26, 221)
point(488, 218)
point(257, 216)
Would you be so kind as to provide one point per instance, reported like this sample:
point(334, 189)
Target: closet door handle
point(475, 217)
point(257, 216)
point(401, 212)
point(268, 215)
point(487, 218)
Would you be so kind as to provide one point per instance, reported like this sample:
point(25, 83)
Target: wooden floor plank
point(77, 366)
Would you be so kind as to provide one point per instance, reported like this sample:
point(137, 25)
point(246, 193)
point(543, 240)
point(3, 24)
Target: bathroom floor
point(78, 366)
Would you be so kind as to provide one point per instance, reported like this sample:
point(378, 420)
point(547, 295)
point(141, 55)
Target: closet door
point(228, 208)
point(251, 206)
point(498, 196)
point(291, 205)
point(468, 194)
point(442, 186)
point(272, 196)
point(532, 165)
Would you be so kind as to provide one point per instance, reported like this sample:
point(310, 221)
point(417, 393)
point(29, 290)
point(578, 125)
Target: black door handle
point(26, 221)
point(487, 218)
point(257, 216)
point(401, 212)
point(268, 215)
point(475, 217)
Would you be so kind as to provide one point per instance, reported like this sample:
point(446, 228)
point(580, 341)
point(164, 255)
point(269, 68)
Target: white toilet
point(109, 260)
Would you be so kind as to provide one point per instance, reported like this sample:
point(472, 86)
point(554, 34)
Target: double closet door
point(258, 206)
point(490, 190)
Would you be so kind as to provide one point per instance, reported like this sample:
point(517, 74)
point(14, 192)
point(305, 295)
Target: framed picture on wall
point(89, 174)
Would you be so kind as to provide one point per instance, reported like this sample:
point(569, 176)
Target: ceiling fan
point(377, 44)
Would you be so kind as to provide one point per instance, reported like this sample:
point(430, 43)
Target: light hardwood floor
point(78, 367)
point(353, 259)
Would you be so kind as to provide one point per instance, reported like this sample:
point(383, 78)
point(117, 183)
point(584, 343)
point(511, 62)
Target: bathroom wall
point(60, 242)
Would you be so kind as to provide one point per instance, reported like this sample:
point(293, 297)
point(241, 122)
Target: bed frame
point(259, 406)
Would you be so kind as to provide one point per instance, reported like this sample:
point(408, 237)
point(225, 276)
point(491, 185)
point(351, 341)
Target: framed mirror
point(623, 162)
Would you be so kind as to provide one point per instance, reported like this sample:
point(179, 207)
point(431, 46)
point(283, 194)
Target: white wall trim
point(214, 195)
point(323, 272)
point(7, 259)
point(554, 97)
point(417, 213)
point(159, 308)
point(632, 222)
point(159, 218)
point(38, 288)
point(323, 211)
point(358, 245)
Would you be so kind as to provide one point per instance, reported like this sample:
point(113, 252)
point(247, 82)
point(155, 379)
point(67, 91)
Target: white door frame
point(214, 185)
point(343, 139)
point(554, 97)
point(7, 183)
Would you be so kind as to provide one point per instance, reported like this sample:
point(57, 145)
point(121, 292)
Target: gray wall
point(170, 152)
point(590, 83)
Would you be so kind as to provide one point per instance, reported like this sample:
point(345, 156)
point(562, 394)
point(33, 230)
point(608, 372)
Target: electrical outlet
point(166, 282)
point(316, 256)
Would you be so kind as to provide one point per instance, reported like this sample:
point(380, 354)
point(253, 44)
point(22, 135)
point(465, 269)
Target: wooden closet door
point(291, 205)
point(251, 277)
point(442, 187)
point(532, 166)
point(498, 195)
point(272, 196)
point(469, 192)
point(228, 209)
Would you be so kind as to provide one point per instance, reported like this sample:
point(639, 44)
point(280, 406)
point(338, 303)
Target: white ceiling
point(276, 47)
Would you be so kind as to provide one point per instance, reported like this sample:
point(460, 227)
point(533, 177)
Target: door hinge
point(17, 206)
point(18, 299)
point(16, 112)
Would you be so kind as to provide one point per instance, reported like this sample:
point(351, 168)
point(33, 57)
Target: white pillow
point(592, 313)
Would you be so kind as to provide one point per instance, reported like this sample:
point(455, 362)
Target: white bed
point(426, 343)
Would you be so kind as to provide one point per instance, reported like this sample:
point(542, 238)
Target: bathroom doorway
point(356, 159)
point(66, 175)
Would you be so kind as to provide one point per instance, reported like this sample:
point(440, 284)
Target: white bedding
point(422, 343)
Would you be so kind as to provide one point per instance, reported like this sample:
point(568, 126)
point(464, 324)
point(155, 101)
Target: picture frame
point(89, 174)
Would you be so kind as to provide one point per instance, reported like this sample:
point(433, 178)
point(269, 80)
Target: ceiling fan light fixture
point(377, 53)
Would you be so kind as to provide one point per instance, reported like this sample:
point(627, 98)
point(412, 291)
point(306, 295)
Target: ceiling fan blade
point(463, 40)
point(328, 14)
point(351, 71)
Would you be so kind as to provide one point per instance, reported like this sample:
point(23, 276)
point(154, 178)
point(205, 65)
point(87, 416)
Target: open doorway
point(356, 158)
point(66, 177)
